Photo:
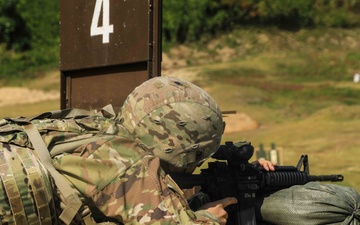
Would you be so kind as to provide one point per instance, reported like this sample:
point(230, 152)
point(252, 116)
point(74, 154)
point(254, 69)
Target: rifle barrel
point(332, 178)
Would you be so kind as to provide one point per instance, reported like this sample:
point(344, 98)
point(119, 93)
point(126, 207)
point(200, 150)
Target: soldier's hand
point(218, 208)
point(267, 165)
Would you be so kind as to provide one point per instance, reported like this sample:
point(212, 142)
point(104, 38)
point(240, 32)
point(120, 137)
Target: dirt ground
point(21, 95)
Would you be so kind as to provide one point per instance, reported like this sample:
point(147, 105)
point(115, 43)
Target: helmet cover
point(174, 120)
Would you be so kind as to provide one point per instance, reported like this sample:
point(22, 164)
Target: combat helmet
point(174, 120)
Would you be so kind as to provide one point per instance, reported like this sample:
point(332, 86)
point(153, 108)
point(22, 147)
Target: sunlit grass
point(29, 109)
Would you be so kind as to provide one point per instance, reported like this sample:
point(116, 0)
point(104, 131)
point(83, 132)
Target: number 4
point(106, 27)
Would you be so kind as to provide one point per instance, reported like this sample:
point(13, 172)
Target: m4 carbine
point(248, 182)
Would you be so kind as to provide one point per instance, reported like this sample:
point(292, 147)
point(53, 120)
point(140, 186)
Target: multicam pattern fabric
point(174, 120)
point(26, 194)
point(129, 186)
point(113, 175)
point(26, 191)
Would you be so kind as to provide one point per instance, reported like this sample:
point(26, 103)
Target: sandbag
point(312, 203)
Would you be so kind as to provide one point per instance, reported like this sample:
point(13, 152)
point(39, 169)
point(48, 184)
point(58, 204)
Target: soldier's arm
point(146, 195)
point(127, 185)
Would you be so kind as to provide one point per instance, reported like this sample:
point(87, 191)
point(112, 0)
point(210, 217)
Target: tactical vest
point(32, 191)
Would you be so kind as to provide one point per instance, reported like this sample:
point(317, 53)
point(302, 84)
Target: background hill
point(294, 89)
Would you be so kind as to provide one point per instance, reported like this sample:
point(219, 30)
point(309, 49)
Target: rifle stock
point(236, 177)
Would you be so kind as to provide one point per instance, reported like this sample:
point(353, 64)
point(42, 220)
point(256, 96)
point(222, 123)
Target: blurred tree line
point(29, 37)
point(190, 19)
point(29, 29)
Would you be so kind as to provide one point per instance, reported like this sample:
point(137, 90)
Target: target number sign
point(101, 6)
point(107, 48)
point(98, 33)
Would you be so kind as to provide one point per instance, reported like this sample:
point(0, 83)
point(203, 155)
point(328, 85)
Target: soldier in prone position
point(171, 126)
point(119, 166)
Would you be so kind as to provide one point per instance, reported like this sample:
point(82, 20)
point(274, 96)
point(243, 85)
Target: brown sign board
point(108, 47)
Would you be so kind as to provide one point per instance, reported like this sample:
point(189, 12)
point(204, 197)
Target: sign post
point(107, 48)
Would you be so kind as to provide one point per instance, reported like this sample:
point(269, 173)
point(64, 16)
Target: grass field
point(297, 86)
point(329, 136)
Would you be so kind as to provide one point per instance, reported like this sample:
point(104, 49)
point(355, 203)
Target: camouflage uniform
point(117, 171)
point(126, 184)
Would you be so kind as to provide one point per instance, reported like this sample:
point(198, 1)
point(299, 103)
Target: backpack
point(32, 191)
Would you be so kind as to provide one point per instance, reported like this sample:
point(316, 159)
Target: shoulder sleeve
point(145, 195)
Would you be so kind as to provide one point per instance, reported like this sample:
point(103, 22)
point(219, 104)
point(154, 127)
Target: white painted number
point(106, 27)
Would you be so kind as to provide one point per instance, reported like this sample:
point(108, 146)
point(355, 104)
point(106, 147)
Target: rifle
point(248, 182)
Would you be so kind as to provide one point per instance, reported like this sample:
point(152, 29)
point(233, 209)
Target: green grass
point(329, 137)
point(299, 88)
point(29, 109)
point(49, 81)
point(318, 121)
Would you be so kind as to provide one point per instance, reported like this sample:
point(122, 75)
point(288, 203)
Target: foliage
point(42, 20)
point(29, 29)
point(13, 30)
point(192, 19)
point(287, 14)
point(340, 13)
